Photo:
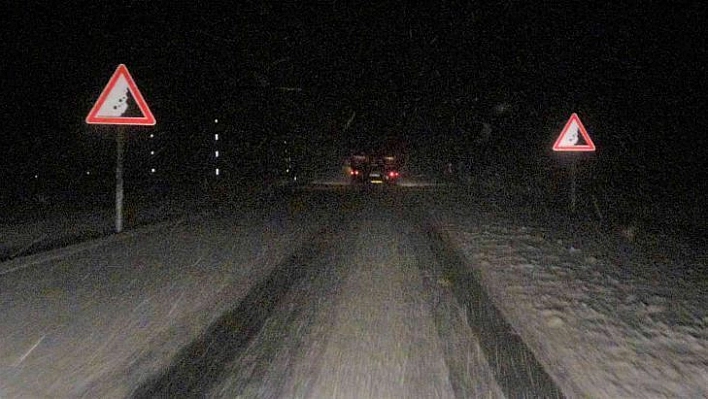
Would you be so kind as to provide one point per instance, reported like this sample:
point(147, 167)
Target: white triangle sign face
point(121, 103)
point(573, 133)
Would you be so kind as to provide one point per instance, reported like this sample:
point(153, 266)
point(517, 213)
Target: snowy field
point(612, 314)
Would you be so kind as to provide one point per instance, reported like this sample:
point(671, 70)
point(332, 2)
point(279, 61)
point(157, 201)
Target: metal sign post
point(120, 144)
point(573, 185)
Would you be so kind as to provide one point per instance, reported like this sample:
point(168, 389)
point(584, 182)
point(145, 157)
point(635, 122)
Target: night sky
point(407, 77)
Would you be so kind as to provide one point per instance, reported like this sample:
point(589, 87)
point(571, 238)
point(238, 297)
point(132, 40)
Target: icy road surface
point(337, 293)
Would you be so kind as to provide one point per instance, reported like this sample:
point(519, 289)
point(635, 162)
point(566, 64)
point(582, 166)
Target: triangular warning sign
point(121, 103)
point(574, 137)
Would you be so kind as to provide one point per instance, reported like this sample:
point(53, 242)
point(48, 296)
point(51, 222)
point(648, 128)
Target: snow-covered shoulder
point(607, 319)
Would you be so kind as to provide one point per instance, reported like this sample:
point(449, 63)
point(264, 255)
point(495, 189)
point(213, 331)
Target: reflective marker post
point(120, 145)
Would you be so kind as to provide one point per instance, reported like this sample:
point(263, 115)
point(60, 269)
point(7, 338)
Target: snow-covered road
point(97, 318)
point(335, 293)
point(369, 329)
point(355, 313)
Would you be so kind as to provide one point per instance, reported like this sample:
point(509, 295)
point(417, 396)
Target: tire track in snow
point(199, 366)
point(518, 372)
point(470, 373)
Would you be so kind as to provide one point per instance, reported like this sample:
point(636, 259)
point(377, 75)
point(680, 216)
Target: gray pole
point(120, 143)
point(573, 174)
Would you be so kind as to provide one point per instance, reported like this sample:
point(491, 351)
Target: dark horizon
point(337, 78)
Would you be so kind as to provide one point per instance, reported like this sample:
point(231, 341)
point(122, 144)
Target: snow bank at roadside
point(604, 328)
point(27, 233)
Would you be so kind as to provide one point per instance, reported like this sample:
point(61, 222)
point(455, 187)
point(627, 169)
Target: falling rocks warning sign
point(574, 137)
point(121, 103)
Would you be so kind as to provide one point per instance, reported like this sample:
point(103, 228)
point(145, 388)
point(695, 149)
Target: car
point(364, 169)
point(358, 168)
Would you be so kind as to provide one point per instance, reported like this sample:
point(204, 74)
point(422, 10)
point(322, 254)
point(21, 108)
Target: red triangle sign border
point(146, 120)
point(559, 146)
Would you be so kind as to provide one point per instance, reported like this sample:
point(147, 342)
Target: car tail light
point(354, 173)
